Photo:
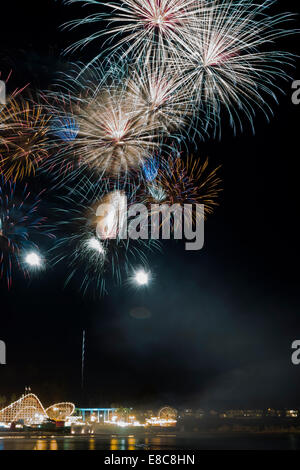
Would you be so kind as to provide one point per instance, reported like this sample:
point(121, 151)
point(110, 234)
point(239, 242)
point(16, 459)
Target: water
point(155, 442)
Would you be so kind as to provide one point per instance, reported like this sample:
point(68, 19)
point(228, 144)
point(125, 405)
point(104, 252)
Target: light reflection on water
point(161, 442)
point(67, 443)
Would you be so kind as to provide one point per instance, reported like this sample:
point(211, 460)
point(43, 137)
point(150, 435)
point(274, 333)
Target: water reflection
point(114, 444)
point(151, 442)
point(92, 444)
point(41, 444)
point(122, 444)
point(84, 442)
point(131, 443)
point(53, 445)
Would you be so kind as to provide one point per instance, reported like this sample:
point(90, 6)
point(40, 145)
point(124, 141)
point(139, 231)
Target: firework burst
point(145, 26)
point(20, 229)
point(228, 61)
point(90, 244)
point(150, 168)
point(107, 130)
point(160, 95)
point(219, 52)
point(180, 182)
point(64, 128)
point(23, 138)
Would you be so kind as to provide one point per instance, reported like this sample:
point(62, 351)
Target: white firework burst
point(222, 49)
point(142, 26)
point(229, 61)
point(160, 94)
point(113, 133)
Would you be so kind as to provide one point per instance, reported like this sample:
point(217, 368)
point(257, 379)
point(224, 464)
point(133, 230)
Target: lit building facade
point(96, 415)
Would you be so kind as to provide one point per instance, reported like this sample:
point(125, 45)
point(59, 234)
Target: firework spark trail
point(185, 182)
point(20, 227)
point(223, 63)
point(150, 168)
point(111, 126)
point(65, 128)
point(221, 48)
point(184, 57)
point(95, 263)
point(160, 95)
point(16, 92)
point(146, 26)
point(23, 138)
point(112, 137)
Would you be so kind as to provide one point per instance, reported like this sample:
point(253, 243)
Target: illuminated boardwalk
point(30, 410)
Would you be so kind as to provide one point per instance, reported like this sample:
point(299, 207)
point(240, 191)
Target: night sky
point(219, 323)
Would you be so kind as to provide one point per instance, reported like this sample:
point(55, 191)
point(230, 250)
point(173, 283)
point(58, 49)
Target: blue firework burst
point(65, 128)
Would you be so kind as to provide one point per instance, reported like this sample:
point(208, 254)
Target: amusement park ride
point(30, 411)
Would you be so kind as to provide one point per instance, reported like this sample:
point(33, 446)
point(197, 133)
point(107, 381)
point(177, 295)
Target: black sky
point(220, 322)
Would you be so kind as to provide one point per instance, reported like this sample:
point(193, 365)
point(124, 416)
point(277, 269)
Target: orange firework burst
point(190, 182)
point(23, 138)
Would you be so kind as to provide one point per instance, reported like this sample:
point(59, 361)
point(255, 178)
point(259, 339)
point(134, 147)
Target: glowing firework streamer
point(222, 49)
point(110, 133)
point(160, 95)
point(65, 128)
point(150, 169)
point(185, 182)
point(23, 138)
point(229, 61)
point(95, 257)
point(6, 96)
point(20, 229)
point(145, 26)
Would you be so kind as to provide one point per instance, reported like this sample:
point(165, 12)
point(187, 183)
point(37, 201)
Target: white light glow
point(142, 278)
point(96, 245)
point(33, 260)
point(156, 421)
